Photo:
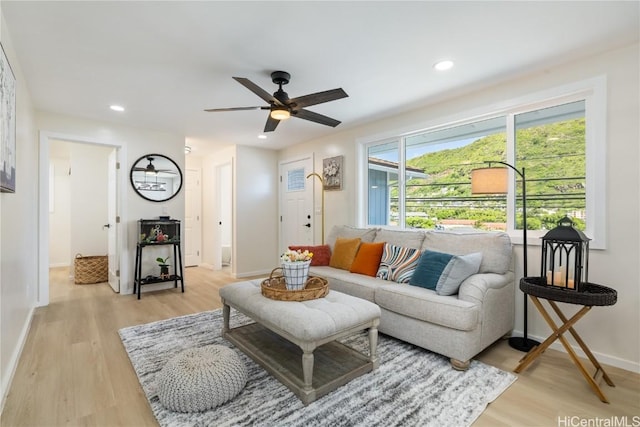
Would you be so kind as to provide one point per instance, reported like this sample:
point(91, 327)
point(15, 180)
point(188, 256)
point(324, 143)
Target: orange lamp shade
point(489, 181)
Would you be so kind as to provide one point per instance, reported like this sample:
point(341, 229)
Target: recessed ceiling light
point(443, 65)
point(262, 136)
point(117, 108)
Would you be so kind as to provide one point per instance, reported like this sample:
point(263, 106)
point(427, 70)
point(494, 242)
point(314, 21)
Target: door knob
point(308, 225)
point(106, 226)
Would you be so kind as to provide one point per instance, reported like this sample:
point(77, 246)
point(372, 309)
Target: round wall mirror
point(156, 177)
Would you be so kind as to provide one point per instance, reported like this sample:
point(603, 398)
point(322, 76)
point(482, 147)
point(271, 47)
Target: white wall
point(18, 230)
point(611, 332)
point(255, 229)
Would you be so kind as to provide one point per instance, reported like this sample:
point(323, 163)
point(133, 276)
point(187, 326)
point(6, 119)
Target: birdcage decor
point(565, 257)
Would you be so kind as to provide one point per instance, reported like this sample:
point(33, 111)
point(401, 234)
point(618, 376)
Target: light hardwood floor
point(74, 370)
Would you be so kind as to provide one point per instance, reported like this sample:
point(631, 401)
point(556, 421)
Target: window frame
point(592, 91)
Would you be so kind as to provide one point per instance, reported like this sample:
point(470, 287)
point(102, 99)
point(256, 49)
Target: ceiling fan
point(281, 107)
point(150, 168)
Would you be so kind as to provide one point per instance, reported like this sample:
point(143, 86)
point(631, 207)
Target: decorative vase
point(295, 274)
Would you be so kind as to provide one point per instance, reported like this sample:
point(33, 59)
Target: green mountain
point(553, 156)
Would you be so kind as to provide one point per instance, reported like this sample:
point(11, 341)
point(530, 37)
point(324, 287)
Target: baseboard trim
point(59, 264)
point(253, 273)
point(15, 358)
point(605, 359)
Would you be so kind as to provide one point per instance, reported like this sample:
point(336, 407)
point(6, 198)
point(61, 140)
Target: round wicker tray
point(275, 288)
point(591, 293)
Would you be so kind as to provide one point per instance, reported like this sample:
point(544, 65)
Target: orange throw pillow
point(367, 259)
point(321, 253)
point(344, 251)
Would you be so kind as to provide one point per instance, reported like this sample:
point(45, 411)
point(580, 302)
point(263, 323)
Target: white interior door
point(113, 222)
point(225, 214)
point(296, 203)
point(192, 218)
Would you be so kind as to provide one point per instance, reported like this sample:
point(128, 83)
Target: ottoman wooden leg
point(307, 366)
point(226, 311)
point(373, 346)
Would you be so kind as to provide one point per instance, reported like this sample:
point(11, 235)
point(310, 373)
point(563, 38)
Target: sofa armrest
point(475, 287)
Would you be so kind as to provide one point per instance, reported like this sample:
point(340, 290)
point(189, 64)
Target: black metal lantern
point(565, 257)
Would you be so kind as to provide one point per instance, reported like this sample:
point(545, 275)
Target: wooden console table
point(593, 295)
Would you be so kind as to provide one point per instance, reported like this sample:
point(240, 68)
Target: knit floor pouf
point(199, 379)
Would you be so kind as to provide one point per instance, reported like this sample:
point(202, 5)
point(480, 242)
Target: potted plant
point(164, 267)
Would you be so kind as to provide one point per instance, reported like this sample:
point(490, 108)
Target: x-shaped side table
point(601, 296)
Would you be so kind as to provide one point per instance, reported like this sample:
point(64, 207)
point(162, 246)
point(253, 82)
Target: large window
point(423, 179)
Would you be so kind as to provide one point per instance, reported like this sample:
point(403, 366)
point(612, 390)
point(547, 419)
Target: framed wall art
point(332, 173)
point(8, 126)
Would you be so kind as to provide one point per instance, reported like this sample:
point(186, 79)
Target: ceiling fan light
point(280, 114)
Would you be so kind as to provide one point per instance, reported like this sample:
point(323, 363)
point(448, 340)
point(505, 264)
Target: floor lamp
point(322, 206)
point(494, 180)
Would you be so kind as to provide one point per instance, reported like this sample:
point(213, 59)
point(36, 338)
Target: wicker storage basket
point(91, 269)
point(275, 287)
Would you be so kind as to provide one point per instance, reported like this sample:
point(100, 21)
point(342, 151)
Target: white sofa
point(457, 326)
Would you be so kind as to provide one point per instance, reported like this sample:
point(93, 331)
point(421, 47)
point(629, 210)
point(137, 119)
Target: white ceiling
point(167, 61)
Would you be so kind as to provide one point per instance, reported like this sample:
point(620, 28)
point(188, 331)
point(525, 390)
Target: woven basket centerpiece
point(275, 288)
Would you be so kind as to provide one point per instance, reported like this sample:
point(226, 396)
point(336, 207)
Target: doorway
point(192, 220)
point(101, 184)
point(224, 175)
point(296, 203)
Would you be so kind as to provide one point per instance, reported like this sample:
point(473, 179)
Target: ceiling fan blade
point(318, 98)
point(258, 90)
point(236, 109)
point(315, 117)
point(271, 124)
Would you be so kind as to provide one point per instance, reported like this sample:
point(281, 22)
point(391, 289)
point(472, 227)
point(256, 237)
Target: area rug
point(412, 386)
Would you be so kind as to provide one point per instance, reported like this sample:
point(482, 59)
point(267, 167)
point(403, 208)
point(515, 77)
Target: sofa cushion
point(424, 304)
point(358, 285)
point(367, 259)
point(321, 253)
point(398, 263)
point(344, 252)
point(444, 272)
point(348, 232)
point(495, 247)
point(403, 238)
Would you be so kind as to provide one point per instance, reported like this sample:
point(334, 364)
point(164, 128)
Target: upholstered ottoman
point(314, 327)
point(199, 379)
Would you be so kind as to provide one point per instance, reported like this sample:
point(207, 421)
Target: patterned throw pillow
point(321, 253)
point(444, 273)
point(398, 263)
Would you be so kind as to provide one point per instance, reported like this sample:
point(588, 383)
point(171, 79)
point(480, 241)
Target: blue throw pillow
point(444, 272)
